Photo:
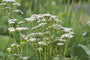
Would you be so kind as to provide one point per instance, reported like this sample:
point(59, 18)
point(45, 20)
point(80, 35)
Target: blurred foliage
point(55, 7)
point(5, 42)
point(86, 49)
point(79, 52)
point(75, 1)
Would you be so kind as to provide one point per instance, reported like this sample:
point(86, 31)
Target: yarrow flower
point(36, 34)
point(31, 19)
point(67, 29)
point(88, 22)
point(12, 21)
point(56, 58)
point(39, 49)
point(44, 31)
point(11, 29)
point(22, 43)
point(32, 39)
point(16, 11)
point(84, 34)
point(3, 4)
point(60, 43)
point(59, 39)
point(9, 1)
point(9, 49)
point(25, 58)
point(16, 54)
point(67, 36)
point(21, 22)
point(40, 25)
point(17, 4)
point(21, 28)
point(17, 45)
point(13, 45)
point(41, 43)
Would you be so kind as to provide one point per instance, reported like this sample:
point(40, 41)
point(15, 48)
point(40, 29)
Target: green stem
point(45, 54)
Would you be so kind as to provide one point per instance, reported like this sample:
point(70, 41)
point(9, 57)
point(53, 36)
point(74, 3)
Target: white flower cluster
point(32, 18)
point(16, 11)
point(67, 29)
point(25, 58)
point(43, 30)
point(88, 22)
point(9, 7)
point(40, 25)
point(9, 0)
point(52, 26)
point(13, 45)
point(32, 39)
point(55, 26)
point(17, 4)
point(41, 43)
point(35, 34)
point(14, 4)
point(42, 18)
point(12, 29)
point(9, 49)
point(67, 36)
point(12, 21)
point(21, 28)
point(39, 49)
point(21, 22)
point(3, 4)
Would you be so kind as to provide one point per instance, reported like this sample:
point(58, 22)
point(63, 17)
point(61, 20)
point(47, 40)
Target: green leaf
point(78, 51)
point(86, 49)
point(5, 42)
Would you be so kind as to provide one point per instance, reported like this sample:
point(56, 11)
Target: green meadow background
point(73, 13)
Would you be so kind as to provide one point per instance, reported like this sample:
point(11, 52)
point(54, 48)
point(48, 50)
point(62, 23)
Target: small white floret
point(9, 49)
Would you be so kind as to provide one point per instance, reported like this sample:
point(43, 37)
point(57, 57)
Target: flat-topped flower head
point(17, 46)
point(60, 44)
point(32, 39)
point(67, 29)
point(25, 58)
point(17, 4)
point(67, 36)
point(13, 45)
point(9, 1)
point(41, 43)
point(31, 19)
point(18, 11)
point(21, 22)
point(21, 28)
point(40, 25)
point(39, 49)
point(3, 4)
point(56, 58)
point(12, 21)
point(88, 22)
point(9, 49)
point(11, 29)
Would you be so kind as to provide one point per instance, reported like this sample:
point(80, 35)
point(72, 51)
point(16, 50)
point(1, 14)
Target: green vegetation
point(44, 30)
